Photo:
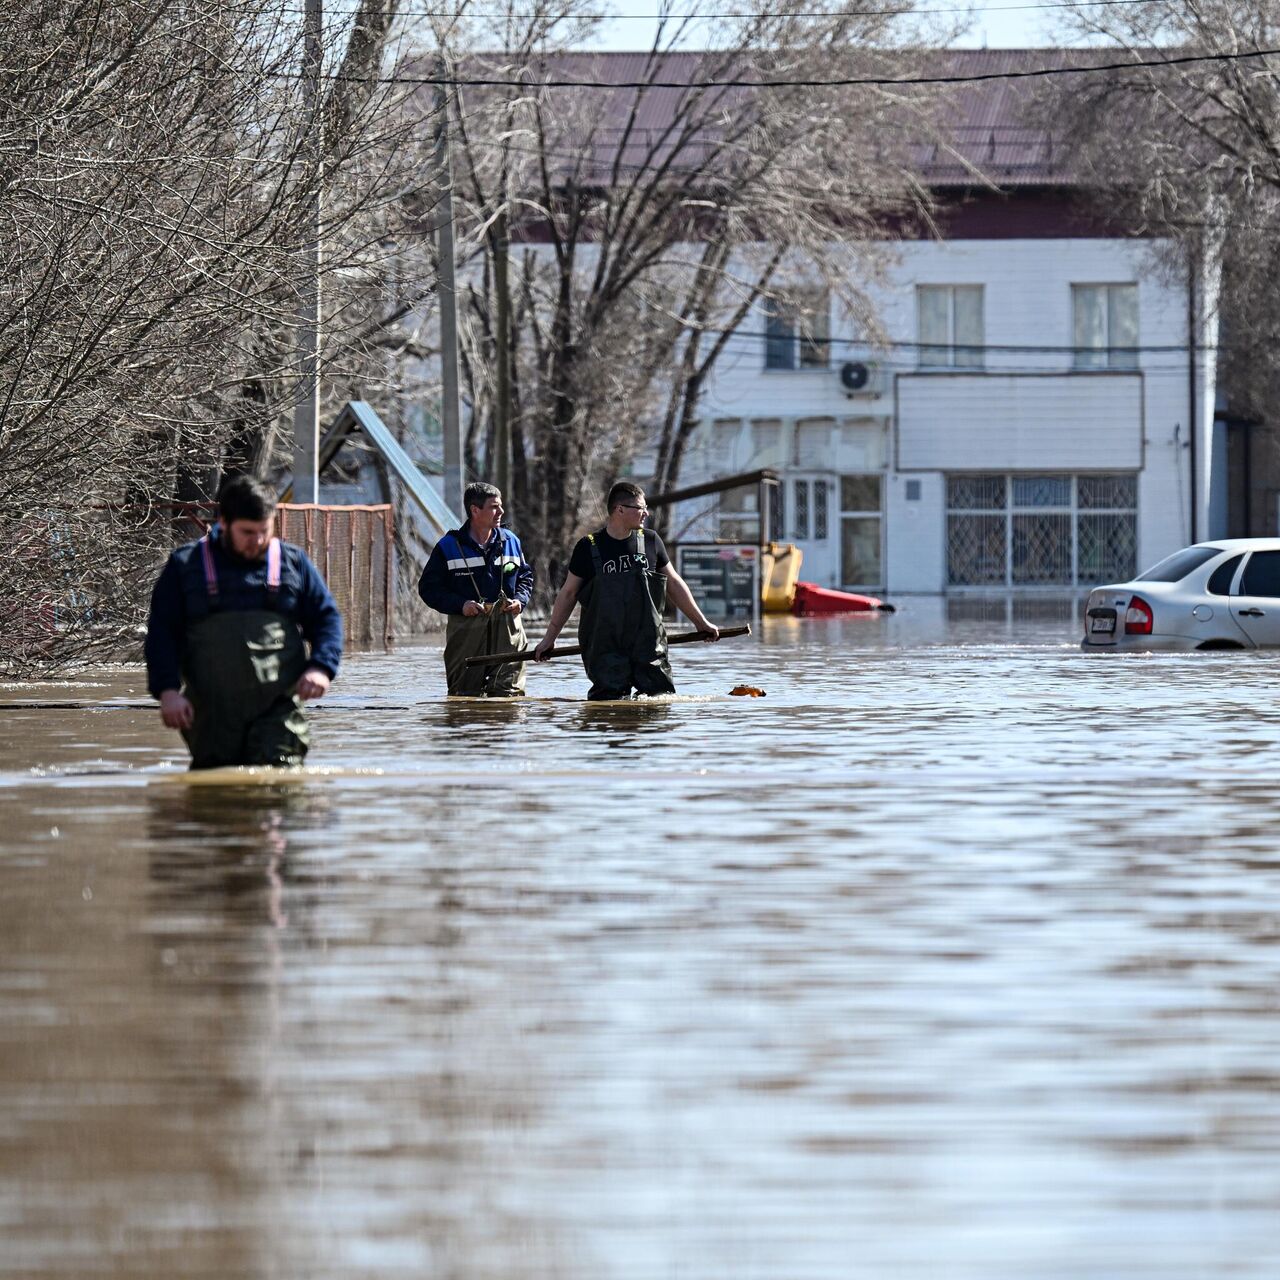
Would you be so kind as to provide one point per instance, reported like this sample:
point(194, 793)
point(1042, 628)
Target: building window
point(797, 330)
point(812, 449)
point(820, 510)
point(949, 326)
point(738, 515)
point(725, 445)
point(860, 533)
point(1105, 325)
point(800, 510)
point(766, 443)
point(1041, 530)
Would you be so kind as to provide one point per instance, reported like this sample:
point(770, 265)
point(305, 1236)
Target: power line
point(903, 344)
point(459, 82)
point(749, 17)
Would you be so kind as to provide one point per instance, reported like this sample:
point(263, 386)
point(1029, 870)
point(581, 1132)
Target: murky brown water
point(957, 956)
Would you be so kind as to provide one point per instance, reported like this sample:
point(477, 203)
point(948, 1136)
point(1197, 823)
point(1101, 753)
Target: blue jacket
point(459, 568)
point(181, 598)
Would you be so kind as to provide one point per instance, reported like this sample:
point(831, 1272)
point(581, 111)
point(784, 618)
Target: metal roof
point(987, 132)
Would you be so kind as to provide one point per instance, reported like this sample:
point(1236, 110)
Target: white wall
point(1016, 422)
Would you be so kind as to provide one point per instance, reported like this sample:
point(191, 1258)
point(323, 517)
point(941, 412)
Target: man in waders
point(231, 618)
point(477, 575)
point(622, 575)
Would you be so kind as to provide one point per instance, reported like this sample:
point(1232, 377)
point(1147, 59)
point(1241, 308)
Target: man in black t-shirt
point(622, 575)
point(616, 554)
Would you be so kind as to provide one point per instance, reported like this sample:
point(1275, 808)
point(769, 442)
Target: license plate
point(1104, 625)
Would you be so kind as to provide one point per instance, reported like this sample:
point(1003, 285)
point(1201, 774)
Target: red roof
point(987, 125)
point(993, 125)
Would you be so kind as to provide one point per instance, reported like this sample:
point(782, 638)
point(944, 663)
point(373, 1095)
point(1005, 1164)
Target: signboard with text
point(724, 577)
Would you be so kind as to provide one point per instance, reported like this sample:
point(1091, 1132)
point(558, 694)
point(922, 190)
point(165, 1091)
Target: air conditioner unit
point(861, 378)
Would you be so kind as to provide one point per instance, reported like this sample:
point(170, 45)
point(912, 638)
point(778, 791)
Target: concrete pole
point(447, 294)
point(306, 409)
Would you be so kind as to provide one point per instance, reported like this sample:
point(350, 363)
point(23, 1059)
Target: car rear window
point(1177, 566)
point(1219, 583)
point(1261, 575)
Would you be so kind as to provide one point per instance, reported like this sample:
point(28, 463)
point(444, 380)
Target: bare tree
point(1190, 152)
point(621, 233)
point(154, 174)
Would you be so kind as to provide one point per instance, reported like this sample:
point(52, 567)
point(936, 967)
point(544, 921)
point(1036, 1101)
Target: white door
point(1256, 608)
point(811, 520)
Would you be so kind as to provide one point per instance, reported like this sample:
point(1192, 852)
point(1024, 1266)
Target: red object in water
point(811, 601)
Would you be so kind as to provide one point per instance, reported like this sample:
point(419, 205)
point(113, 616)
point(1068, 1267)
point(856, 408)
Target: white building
point(1036, 420)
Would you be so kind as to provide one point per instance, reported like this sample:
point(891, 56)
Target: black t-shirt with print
point(617, 555)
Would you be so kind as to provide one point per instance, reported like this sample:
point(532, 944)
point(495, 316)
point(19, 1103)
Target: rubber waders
point(492, 632)
point(623, 636)
point(241, 670)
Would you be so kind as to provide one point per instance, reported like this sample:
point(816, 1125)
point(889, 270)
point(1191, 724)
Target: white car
point(1214, 595)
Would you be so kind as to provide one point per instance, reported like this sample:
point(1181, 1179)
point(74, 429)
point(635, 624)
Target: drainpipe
point(1191, 394)
point(1248, 479)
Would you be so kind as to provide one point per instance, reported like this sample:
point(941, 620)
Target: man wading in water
point(478, 576)
point(622, 575)
point(231, 618)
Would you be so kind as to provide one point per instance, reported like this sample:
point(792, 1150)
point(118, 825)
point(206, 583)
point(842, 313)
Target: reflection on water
point(956, 956)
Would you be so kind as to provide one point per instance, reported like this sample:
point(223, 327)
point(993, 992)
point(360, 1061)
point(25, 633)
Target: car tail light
point(1138, 617)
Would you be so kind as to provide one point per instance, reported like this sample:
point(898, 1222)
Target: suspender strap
point(210, 572)
point(596, 562)
point(275, 559)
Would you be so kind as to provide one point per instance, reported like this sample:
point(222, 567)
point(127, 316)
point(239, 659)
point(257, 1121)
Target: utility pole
point(502, 354)
point(447, 295)
point(306, 409)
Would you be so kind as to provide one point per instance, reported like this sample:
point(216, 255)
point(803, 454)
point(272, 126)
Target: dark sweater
point(181, 598)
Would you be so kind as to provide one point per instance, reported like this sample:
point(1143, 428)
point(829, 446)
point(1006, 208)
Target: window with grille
point(1041, 530)
point(819, 508)
point(800, 509)
point(1105, 325)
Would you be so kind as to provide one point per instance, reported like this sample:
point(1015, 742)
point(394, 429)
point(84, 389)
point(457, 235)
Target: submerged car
point(1214, 595)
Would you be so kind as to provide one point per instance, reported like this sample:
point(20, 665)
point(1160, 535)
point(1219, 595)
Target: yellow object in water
point(746, 691)
point(779, 573)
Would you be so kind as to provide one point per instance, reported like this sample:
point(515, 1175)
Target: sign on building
point(724, 578)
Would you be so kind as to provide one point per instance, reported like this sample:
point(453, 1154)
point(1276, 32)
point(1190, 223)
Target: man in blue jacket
point(477, 575)
point(232, 616)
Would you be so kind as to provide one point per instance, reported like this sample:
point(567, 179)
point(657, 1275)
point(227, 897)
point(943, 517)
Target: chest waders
point(240, 668)
point(492, 631)
point(623, 636)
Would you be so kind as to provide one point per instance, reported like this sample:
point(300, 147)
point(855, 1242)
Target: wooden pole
point(526, 655)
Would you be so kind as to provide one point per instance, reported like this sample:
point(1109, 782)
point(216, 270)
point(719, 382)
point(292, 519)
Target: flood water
point(955, 957)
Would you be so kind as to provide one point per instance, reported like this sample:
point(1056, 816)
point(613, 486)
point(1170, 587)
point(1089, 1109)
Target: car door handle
point(1250, 613)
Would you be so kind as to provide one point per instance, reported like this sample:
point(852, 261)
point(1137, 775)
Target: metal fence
point(1041, 530)
point(352, 546)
